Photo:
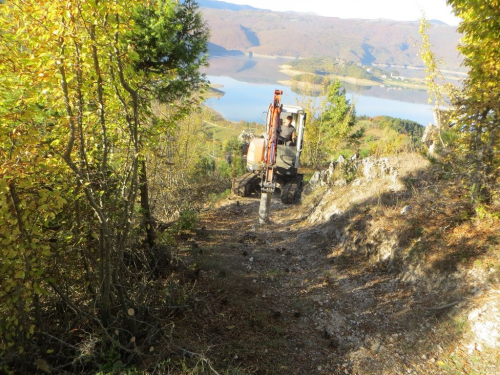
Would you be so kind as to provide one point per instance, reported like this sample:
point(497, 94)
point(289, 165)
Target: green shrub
point(365, 152)
point(187, 220)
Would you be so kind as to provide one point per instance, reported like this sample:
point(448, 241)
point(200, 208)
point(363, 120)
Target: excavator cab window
point(284, 133)
point(281, 140)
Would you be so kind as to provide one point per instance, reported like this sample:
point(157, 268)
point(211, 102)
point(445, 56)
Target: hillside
point(387, 274)
point(214, 4)
point(369, 42)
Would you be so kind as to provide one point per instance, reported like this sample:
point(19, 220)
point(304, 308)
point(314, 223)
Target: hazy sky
point(404, 10)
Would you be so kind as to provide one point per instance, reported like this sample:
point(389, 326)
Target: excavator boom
point(268, 183)
point(272, 139)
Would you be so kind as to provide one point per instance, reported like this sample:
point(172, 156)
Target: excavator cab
point(270, 156)
point(288, 155)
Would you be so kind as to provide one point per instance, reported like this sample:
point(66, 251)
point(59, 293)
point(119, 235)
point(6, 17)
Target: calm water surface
point(249, 90)
point(248, 101)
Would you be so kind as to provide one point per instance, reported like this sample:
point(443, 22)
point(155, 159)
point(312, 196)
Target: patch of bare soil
point(368, 289)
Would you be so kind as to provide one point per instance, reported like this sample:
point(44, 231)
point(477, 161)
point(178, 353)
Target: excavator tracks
point(246, 184)
point(290, 192)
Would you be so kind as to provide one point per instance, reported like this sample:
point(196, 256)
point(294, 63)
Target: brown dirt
point(289, 298)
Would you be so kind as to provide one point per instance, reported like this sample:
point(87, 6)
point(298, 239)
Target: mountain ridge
point(367, 42)
point(213, 4)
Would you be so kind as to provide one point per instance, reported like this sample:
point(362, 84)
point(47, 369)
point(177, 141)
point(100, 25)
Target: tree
point(170, 42)
point(438, 89)
point(478, 103)
point(77, 127)
point(332, 127)
point(338, 111)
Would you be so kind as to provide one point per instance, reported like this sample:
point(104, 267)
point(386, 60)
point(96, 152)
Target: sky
point(401, 10)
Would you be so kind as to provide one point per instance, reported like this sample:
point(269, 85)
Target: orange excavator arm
point(273, 119)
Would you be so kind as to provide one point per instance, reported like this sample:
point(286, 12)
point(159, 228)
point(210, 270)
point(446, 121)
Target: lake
point(249, 86)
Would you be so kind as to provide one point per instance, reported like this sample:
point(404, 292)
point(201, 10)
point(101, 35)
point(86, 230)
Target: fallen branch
point(443, 307)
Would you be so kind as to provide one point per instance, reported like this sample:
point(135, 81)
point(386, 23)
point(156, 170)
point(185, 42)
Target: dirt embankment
point(381, 275)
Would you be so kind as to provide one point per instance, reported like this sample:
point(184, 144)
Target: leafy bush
point(187, 220)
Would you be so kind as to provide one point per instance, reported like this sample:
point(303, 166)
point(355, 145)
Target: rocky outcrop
point(343, 170)
point(351, 181)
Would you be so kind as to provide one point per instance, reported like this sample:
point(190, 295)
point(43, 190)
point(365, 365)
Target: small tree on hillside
point(333, 126)
point(438, 89)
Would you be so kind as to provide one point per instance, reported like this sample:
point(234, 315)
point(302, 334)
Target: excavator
point(272, 163)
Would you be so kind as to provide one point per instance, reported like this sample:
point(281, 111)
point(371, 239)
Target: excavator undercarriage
point(247, 184)
point(250, 183)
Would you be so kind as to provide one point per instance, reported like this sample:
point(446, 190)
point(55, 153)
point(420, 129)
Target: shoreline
point(385, 66)
point(289, 71)
point(214, 91)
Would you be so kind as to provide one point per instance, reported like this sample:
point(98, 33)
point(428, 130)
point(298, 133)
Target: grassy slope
point(221, 129)
point(382, 135)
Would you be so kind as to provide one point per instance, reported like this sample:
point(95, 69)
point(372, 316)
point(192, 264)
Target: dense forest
point(106, 160)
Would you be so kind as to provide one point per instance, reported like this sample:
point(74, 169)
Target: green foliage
point(338, 110)
point(346, 171)
point(332, 127)
point(365, 152)
point(413, 130)
point(231, 170)
point(234, 164)
point(478, 103)
point(238, 166)
point(232, 146)
point(187, 220)
point(397, 136)
point(170, 43)
point(315, 65)
point(324, 66)
point(355, 71)
point(224, 169)
point(314, 79)
point(382, 135)
point(78, 129)
point(204, 167)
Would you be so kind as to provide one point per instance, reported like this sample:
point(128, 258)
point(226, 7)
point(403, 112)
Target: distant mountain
point(438, 22)
point(213, 4)
point(369, 42)
point(216, 50)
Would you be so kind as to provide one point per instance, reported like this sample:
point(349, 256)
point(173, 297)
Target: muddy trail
point(298, 297)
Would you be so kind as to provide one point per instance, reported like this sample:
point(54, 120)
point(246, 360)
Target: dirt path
point(268, 280)
point(281, 299)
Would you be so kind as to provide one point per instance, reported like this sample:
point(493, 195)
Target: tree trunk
point(146, 211)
